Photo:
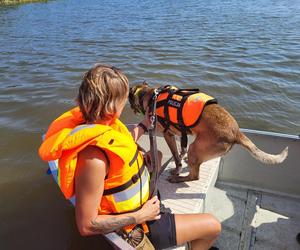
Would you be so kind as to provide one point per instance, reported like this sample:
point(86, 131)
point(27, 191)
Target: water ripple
point(244, 53)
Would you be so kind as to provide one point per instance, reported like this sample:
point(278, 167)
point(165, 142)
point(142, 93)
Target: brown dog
point(215, 135)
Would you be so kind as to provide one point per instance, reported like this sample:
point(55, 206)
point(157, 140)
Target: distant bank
point(19, 1)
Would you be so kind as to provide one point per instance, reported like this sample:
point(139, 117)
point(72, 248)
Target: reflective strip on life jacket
point(80, 127)
point(126, 185)
point(134, 189)
point(130, 199)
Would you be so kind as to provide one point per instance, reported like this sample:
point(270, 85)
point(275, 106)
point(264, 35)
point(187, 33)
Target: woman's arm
point(141, 128)
point(89, 186)
point(138, 131)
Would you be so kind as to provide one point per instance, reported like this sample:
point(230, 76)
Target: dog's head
point(137, 94)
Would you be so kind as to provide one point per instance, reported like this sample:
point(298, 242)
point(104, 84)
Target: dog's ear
point(136, 95)
point(131, 93)
point(132, 99)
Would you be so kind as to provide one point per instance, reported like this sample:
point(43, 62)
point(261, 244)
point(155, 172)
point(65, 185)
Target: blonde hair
point(102, 90)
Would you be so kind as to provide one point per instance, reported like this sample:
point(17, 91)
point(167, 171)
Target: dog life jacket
point(126, 186)
point(181, 108)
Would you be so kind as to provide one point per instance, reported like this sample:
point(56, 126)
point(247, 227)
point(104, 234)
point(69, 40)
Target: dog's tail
point(258, 154)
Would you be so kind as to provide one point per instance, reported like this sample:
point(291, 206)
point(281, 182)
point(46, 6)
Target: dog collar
point(140, 98)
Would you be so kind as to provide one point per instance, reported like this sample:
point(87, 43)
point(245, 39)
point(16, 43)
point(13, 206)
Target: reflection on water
point(246, 54)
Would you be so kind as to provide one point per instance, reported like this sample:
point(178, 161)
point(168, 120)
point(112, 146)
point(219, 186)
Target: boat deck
point(254, 219)
point(184, 197)
point(250, 219)
point(181, 198)
point(188, 197)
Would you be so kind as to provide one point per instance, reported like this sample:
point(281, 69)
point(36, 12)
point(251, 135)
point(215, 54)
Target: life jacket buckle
point(135, 178)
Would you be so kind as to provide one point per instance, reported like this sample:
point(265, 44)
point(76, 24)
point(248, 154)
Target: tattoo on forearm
point(111, 224)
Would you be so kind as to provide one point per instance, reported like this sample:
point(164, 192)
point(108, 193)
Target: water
point(244, 53)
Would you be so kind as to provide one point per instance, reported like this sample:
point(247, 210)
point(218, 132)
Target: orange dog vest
point(181, 108)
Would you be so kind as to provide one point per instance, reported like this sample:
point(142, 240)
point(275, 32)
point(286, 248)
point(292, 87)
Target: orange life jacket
point(181, 108)
point(126, 186)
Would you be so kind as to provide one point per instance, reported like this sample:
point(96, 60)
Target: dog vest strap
point(164, 89)
point(179, 112)
point(184, 140)
point(126, 185)
point(170, 95)
point(162, 122)
point(176, 98)
point(189, 91)
point(166, 111)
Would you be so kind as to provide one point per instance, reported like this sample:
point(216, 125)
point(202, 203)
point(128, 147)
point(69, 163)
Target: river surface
point(244, 53)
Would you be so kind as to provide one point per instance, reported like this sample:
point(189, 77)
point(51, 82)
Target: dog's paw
point(175, 171)
point(172, 179)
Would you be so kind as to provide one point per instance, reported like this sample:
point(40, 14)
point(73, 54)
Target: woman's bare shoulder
point(91, 159)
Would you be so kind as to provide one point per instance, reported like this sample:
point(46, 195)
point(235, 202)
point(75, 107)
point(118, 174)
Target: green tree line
point(18, 1)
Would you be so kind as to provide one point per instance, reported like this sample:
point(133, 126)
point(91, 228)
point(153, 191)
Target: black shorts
point(162, 232)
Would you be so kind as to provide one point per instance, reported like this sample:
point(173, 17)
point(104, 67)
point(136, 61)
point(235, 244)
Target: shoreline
point(6, 2)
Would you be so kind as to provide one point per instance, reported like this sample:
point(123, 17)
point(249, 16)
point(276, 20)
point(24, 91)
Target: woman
point(100, 165)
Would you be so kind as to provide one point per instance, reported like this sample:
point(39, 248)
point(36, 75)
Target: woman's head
point(103, 91)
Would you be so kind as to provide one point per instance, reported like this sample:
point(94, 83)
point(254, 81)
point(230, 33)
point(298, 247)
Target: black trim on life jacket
point(106, 156)
point(134, 157)
point(126, 185)
point(107, 160)
point(130, 211)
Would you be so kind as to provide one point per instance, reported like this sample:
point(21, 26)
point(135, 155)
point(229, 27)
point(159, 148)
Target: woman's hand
point(149, 211)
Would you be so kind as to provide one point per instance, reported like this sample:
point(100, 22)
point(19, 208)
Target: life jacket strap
point(134, 157)
point(126, 185)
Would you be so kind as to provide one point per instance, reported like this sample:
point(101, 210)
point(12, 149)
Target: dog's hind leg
point(194, 162)
point(170, 139)
point(199, 153)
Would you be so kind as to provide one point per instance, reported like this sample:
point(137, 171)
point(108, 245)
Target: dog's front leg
point(170, 139)
point(195, 158)
point(183, 153)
